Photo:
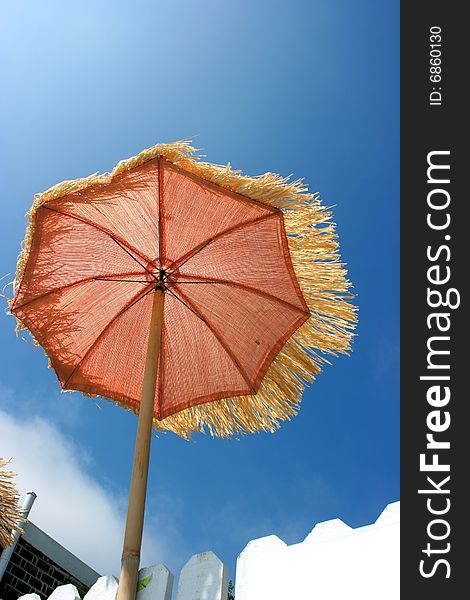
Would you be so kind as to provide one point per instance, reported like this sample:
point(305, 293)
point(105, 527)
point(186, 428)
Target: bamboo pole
point(138, 488)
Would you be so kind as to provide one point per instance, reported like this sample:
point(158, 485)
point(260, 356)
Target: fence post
point(156, 583)
point(203, 576)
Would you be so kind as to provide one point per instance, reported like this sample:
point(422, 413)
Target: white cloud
point(72, 507)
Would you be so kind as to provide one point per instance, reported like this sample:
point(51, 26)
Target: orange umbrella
point(186, 292)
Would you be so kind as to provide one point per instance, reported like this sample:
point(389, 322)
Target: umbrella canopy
point(10, 510)
point(244, 263)
point(186, 292)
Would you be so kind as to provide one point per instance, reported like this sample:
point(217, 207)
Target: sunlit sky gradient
point(309, 88)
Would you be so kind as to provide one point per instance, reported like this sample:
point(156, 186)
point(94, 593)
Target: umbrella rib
point(103, 230)
point(232, 357)
point(249, 288)
point(184, 282)
point(187, 306)
point(201, 246)
point(133, 257)
point(122, 280)
point(219, 188)
point(129, 305)
point(160, 203)
point(69, 285)
point(191, 255)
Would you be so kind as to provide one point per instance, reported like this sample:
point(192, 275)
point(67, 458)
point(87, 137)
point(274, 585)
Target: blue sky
point(308, 88)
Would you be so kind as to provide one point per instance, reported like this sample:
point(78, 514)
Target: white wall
point(334, 562)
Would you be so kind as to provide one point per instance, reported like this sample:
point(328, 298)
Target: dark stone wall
point(31, 571)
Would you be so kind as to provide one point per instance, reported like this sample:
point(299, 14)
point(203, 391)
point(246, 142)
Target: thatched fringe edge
point(315, 256)
point(10, 510)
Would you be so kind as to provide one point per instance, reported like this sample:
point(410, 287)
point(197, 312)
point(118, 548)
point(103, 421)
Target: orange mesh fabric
point(231, 302)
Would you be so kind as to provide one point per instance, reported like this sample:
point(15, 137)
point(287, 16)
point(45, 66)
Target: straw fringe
point(314, 251)
point(10, 510)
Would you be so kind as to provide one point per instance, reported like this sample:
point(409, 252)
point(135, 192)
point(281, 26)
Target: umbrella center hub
point(160, 280)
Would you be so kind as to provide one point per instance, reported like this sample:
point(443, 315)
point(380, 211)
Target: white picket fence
point(333, 562)
point(204, 577)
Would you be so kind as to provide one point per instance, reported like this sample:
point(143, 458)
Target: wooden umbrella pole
point(136, 507)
